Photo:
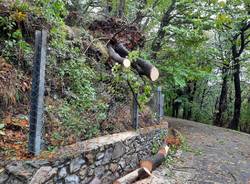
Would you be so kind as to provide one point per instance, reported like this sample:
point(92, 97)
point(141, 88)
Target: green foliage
point(79, 77)
point(157, 142)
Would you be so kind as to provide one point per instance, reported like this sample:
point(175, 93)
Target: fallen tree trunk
point(156, 160)
point(146, 167)
point(116, 57)
point(133, 176)
point(141, 66)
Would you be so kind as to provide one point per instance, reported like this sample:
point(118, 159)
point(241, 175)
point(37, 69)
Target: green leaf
point(1, 126)
point(2, 132)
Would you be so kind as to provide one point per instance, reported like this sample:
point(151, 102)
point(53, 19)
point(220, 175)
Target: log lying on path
point(146, 167)
point(116, 57)
point(141, 66)
point(156, 160)
point(133, 176)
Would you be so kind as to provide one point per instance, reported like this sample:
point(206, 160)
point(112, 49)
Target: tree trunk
point(152, 163)
point(140, 65)
point(191, 90)
point(219, 120)
point(237, 101)
point(121, 8)
point(108, 8)
point(116, 57)
point(157, 42)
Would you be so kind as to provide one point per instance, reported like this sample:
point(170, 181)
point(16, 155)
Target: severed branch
point(146, 167)
point(151, 163)
point(140, 65)
point(116, 57)
point(133, 176)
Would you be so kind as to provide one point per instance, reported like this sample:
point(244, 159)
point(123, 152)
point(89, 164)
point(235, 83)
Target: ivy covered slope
point(86, 94)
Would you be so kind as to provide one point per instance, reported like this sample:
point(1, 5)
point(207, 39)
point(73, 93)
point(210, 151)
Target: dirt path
point(215, 155)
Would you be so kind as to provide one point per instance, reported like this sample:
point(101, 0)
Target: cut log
point(156, 160)
point(147, 69)
point(133, 176)
point(141, 66)
point(116, 57)
point(146, 167)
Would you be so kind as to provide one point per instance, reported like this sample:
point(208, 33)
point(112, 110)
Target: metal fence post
point(159, 103)
point(135, 115)
point(37, 93)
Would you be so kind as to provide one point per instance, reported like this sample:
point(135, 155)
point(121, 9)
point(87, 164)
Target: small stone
point(90, 158)
point(43, 174)
point(3, 177)
point(72, 179)
point(37, 163)
point(122, 163)
point(107, 156)
point(119, 150)
point(86, 180)
point(98, 163)
point(83, 172)
point(62, 173)
point(90, 172)
point(76, 164)
point(99, 156)
point(113, 167)
point(99, 171)
point(19, 171)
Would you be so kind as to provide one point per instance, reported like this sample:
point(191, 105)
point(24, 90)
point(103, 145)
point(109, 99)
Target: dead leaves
point(13, 138)
point(174, 138)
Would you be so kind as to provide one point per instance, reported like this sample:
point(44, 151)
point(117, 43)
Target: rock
point(122, 163)
point(99, 171)
point(43, 174)
point(83, 172)
point(98, 163)
point(76, 164)
point(62, 173)
point(90, 158)
point(90, 172)
point(3, 177)
point(13, 180)
point(19, 171)
point(113, 167)
point(107, 156)
point(37, 163)
point(86, 180)
point(119, 150)
point(72, 179)
point(99, 156)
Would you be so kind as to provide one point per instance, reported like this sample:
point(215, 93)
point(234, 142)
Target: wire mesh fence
point(37, 93)
point(123, 112)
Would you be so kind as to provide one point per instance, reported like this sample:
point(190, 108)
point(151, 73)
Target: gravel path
point(215, 156)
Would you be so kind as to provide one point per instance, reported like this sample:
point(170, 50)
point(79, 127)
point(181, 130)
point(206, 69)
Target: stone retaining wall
point(107, 158)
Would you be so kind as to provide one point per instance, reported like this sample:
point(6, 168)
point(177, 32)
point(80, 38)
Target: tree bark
point(121, 8)
point(116, 57)
point(234, 124)
point(157, 42)
point(146, 167)
point(140, 65)
point(191, 90)
point(236, 53)
point(156, 160)
point(219, 120)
